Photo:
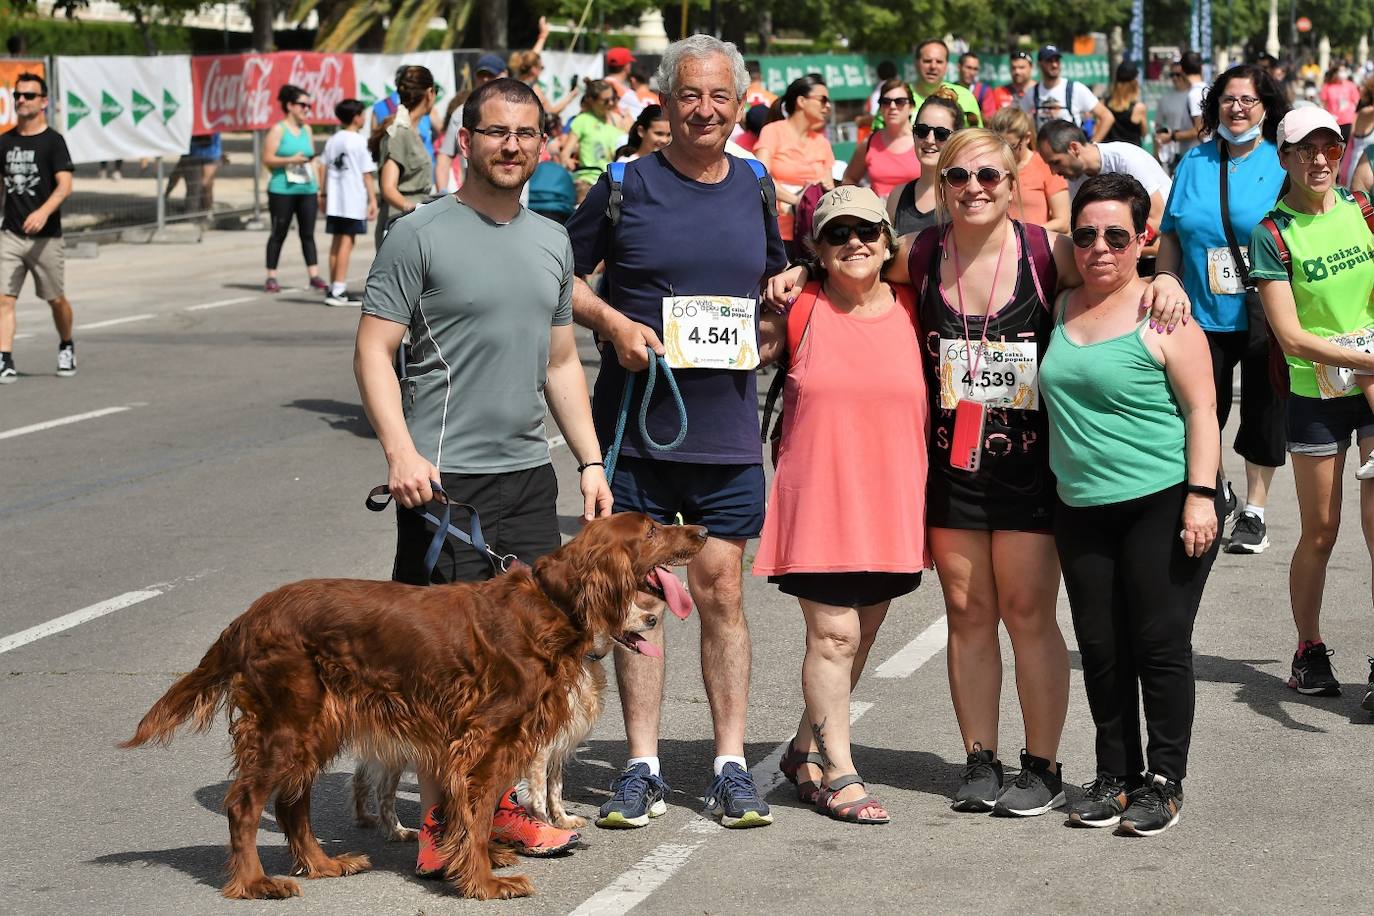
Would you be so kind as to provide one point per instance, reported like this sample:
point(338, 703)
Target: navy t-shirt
point(679, 237)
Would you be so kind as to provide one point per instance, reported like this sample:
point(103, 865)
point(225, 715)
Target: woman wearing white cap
point(1313, 258)
point(845, 544)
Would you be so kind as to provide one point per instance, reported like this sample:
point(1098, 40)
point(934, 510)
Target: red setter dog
point(468, 680)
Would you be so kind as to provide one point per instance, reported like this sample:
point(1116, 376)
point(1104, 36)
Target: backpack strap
point(1284, 257)
point(923, 253)
point(766, 189)
point(798, 320)
point(1041, 261)
point(616, 172)
point(1366, 208)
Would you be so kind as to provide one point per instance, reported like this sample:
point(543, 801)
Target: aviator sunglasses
point(958, 176)
point(838, 234)
point(1117, 238)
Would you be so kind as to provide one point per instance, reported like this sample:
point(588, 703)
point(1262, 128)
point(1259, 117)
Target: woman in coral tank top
point(845, 528)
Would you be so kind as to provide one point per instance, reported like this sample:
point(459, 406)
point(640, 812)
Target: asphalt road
point(232, 456)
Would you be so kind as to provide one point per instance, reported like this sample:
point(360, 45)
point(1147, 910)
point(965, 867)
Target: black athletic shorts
point(519, 515)
point(847, 589)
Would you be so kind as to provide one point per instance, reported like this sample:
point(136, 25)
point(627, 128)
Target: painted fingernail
point(791, 299)
point(1171, 328)
point(1152, 324)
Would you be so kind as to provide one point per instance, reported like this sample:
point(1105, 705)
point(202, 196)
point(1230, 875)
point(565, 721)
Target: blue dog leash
point(444, 527)
point(613, 452)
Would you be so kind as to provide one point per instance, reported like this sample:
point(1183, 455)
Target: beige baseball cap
point(1300, 122)
point(848, 200)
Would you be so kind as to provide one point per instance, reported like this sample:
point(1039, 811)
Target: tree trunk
point(765, 25)
point(263, 13)
point(143, 33)
point(494, 19)
point(735, 22)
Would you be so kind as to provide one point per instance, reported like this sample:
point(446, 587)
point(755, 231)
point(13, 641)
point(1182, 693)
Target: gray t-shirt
point(479, 299)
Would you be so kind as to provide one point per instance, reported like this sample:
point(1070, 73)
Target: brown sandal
point(848, 811)
point(790, 767)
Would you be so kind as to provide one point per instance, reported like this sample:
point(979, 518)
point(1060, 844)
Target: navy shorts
point(1322, 428)
point(343, 225)
point(726, 498)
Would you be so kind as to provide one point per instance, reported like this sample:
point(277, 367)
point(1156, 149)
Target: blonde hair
point(1013, 120)
point(522, 63)
point(971, 140)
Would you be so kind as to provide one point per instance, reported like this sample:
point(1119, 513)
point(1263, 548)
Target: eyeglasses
point(838, 234)
point(823, 99)
point(523, 135)
point(899, 101)
point(27, 96)
point(1307, 153)
point(1117, 237)
point(925, 130)
point(958, 177)
point(304, 103)
point(1243, 102)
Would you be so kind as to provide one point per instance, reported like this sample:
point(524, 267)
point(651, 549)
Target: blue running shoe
point(734, 799)
point(636, 796)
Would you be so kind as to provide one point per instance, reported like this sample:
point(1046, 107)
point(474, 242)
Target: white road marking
point(114, 321)
point(63, 421)
point(556, 441)
point(917, 652)
point(220, 303)
point(76, 618)
point(650, 873)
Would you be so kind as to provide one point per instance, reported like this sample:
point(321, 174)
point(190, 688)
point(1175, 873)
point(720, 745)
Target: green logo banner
point(169, 106)
point(141, 106)
point(109, 108)
point(76, 109)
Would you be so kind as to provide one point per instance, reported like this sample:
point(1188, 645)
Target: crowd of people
point(1019, 323)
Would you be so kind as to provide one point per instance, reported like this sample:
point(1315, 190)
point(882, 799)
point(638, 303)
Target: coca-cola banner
point(239, 91)
point(124, 107)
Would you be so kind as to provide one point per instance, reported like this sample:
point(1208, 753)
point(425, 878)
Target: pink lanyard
point(992, 293)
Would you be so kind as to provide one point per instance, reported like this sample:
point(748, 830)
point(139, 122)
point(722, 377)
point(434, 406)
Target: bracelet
point(1200, 490)
point(807, 265)
point(589, 464)
point(1169, 273)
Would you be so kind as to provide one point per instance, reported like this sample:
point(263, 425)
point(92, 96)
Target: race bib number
point(1223, 277)
point(710, 332)
point(298, 173)
point(1337, 381)
point(1006, 376)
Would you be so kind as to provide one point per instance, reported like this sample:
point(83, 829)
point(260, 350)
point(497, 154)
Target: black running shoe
point(1367, 703)
point(1036, 789)
point(1153, 809)
point(1312, 674)
point(1231, 501)
point(1249, 535)
point(1103, 801)
point(979, 782)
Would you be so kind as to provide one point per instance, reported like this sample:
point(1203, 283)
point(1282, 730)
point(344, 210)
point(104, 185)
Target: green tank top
point(287, 179)
point(1116, 432)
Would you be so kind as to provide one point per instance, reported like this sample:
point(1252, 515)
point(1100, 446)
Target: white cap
point(1298, 123)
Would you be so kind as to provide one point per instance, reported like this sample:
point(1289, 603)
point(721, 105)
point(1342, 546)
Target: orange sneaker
point(515, 826)
point(429, 864)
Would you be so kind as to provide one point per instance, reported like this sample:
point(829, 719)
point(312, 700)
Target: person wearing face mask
point(1319, 291)
point(1241, 114)
point(911, 206)
point(1341, 97)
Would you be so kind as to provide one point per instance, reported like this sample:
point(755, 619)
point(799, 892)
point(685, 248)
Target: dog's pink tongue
point(679, 601)
point(643, 646)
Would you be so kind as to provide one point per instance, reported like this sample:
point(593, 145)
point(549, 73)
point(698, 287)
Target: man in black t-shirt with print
point(37, 173)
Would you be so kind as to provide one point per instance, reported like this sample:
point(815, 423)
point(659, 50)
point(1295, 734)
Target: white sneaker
point(1366, 470)
point(339, 301)
point(66, 361)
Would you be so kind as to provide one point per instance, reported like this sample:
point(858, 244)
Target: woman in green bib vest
point(1135, 448)
point(1313, 260)
point(289, 151)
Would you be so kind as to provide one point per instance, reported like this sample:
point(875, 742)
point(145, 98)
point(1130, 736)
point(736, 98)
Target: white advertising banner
point(124, 107)
point(563, 71)
point(376, 75)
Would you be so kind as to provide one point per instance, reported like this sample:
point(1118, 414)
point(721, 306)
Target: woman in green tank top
point(293, 189)
point(1135, 447)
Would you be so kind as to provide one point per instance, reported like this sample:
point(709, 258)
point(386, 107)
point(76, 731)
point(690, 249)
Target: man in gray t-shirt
point(484, 288)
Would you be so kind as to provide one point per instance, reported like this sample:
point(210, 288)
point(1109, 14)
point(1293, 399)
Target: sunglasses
point(838, 234)
point(1118, 238)
point(958, 176)
point(1307, 153)
point(899, 101)
point(925, 130)
point(27, 96)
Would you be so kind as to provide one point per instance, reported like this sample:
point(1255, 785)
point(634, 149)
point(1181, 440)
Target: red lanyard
point(992, 292)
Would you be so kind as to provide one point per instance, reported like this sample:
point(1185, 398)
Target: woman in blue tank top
point(1135, 450)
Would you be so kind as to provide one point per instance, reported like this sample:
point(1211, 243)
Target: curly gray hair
point(697, 47)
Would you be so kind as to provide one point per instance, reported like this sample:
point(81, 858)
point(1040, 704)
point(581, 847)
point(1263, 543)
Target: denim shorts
point(726, 498)
point(1322, 428)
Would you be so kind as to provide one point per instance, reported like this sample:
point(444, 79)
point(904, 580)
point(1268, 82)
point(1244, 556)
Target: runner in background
point(593, 137)
point(1042, 197)
point(1013, 92)
point(1128, 111)
point(1361, 134)
point(1178, 124)
point(405, 177)
point(887, 70)
point(968, 78)
point(1341, 97)
point(1056, 98)
point(289, 151)
point(913, 206)
point(888, 159)
point(796, 150)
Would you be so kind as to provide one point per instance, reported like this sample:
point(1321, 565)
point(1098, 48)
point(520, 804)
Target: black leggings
point(1134, 594)
point(283, 207)
point(1260, 438)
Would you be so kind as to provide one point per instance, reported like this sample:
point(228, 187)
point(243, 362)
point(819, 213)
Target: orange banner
point(9, 71)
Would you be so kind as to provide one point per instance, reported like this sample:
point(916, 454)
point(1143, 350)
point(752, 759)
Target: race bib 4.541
point(710, 332)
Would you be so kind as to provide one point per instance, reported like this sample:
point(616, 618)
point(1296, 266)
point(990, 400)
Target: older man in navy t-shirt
point(692, 247)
